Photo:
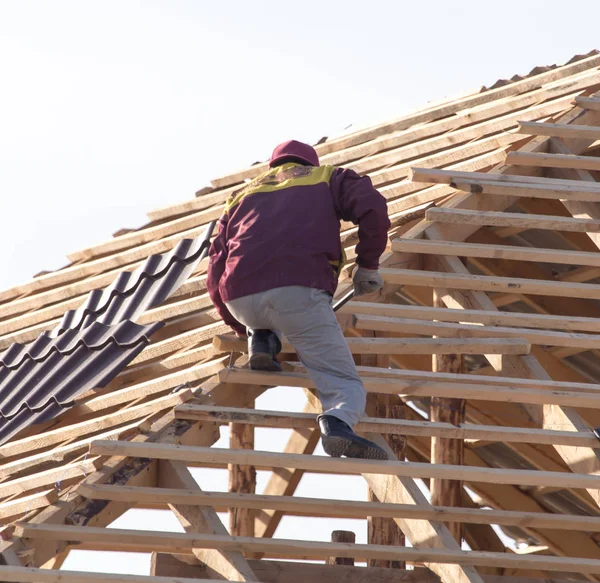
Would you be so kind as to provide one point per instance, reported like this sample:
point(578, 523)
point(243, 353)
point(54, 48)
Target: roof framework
point(480, 357)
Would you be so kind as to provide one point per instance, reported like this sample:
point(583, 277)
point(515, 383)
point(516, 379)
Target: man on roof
point(274, 268)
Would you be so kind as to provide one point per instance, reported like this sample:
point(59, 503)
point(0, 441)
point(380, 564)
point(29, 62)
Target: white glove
point(366, 281)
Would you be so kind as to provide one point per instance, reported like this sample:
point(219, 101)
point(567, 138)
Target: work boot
point(339, 439)
point(263, 348)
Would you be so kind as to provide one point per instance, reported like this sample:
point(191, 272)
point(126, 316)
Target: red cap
point(294, 149)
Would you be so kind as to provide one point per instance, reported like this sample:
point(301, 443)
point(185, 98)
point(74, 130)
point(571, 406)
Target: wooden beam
point(404, 345)
point(390, 426)
point(123, 539)
point(31, 575)
point(490, 283)
point(384, 530)
point(487, 317)
point(342, 536)
point(242, 479)
point(40, 479)
point(431, 389)
point(231, 565)
point(580, 132)
point(521, 221)
point(504, 252)
point(25, 504)
point(452, 329)
point(545, 160)
point(333, 465)
point(592, 103)
point(447, 451)
point(296, 572)
point(301, 506)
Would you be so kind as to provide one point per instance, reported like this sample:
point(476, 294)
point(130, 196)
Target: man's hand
point(366, 281)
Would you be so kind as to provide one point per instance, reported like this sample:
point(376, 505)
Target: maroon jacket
point(283, 229)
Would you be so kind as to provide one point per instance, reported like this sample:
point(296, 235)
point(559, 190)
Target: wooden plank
point(411, 377)
point(176, 542)
point(505, 252)
point(406, 469)
point(302, 506)
point(230, 565)
point(487, 317)
point(394, 385)
point(490, 283)
point(592, 103)
point(522, 221)
point(545, 160)
point(580, 132)
point(451, 329)
point(32, 575)
point(24, 504)
point(435, 176)
point(402, 345)
point(468, 431)
point(297, 572)
point(47, 477)
point(111, 420)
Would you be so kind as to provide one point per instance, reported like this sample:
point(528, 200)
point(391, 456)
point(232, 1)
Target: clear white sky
point(109, 109)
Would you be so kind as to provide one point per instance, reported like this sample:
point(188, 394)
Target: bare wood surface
point(302, 506)
point(393, 426)
point(522, 221)
point(332, 465)
point(403, 345)
point(487, 317)
point(490, 283)
point(342, 536)
point(559, 130)
point(393, 385)
point(382, 530)
point(447, 451)
point(231, 565)
point(173, 542)
point(242, 479)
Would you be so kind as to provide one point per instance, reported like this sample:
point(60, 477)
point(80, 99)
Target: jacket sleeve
point(216, 267)
point(360, 203)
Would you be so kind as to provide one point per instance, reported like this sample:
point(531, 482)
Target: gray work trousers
point(305, 317)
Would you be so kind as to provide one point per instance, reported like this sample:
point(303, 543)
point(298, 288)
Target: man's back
point(282, 229)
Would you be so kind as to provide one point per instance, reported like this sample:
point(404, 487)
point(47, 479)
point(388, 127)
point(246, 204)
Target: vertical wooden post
point(342, 536)
point(384, 531)
point(242, 479)
point(447, 451)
